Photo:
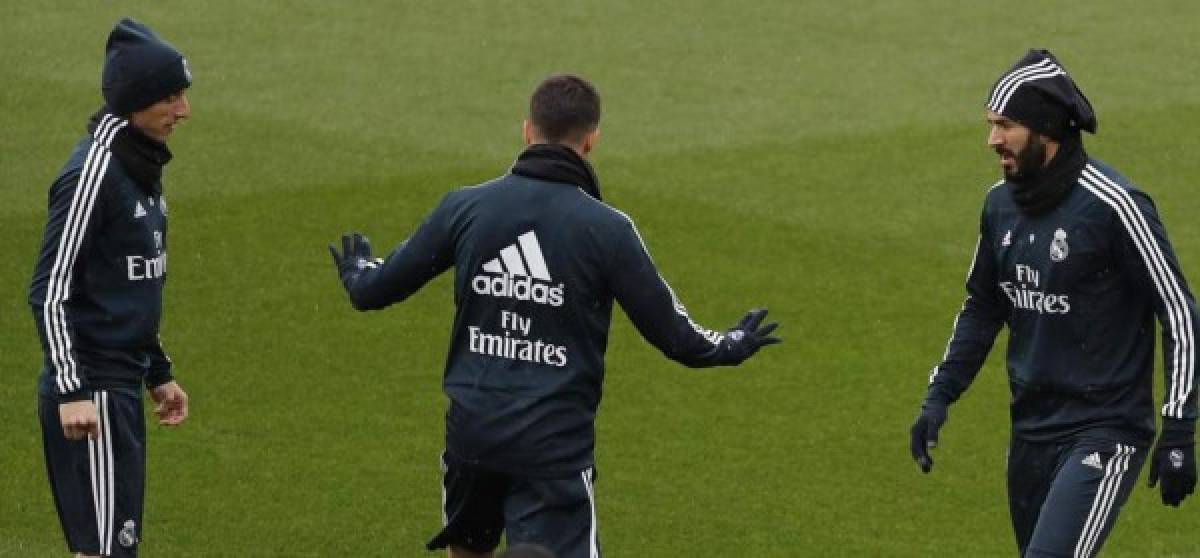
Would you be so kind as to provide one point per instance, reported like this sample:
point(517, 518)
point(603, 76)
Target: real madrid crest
point(1058, 247)
point(128, 535)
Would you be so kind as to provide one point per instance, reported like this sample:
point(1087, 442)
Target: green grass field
point(825, 159)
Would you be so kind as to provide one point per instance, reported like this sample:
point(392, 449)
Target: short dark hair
point(564, 107)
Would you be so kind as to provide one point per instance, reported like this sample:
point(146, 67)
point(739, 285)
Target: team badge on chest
point(1058, 247)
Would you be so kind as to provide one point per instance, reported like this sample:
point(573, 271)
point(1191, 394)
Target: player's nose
point(995, 137)
point(183, 107)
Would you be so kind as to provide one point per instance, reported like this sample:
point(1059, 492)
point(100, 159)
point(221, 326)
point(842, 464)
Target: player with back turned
point(1075, 261)
point(539, 260)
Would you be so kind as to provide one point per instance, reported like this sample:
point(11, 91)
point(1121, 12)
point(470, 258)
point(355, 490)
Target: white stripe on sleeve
point(58, 289)
point(1179, 318)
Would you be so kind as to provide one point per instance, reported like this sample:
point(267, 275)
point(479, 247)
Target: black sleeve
point(159, 372)
point(980, 319)
point(1150, 264)
point(655, 310)
point(416, 261)
point(72, 219)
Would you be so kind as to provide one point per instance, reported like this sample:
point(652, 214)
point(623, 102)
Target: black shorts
point(478, 506)
point(98, 484)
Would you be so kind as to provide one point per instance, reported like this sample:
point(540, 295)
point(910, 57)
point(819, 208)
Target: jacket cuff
point(155, 378)
point(937, 395)
point(71, 397)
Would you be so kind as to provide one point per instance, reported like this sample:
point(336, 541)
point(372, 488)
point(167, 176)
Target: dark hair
point(564, 107)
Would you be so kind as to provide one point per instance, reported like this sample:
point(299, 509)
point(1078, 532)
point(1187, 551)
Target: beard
point(1029, 161)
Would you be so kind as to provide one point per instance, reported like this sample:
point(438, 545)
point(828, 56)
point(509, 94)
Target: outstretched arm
point(373, 283)
point(663, 321)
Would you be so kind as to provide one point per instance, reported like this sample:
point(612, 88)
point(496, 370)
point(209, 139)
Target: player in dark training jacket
point(538, 260)
point(1075, 261)
point(97, 297)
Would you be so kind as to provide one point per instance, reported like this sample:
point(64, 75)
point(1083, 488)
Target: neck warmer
point(142, 157)
point(557, 163)
point(1044, 190)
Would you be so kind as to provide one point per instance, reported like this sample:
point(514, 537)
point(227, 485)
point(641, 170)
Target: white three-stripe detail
point(524, 261)
point(111, 490)
point(1106, 496)
point(593, 541)
point(97, 474)
point(1006, 81)
point(58, 289)
point(445, 481)
point(51, 309)
point(1179, 316)
point(100, 454)
point(1010, 83)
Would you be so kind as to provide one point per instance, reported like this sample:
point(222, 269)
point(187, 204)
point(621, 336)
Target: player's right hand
point(79, 419)
point(924, 435)
point(355, 255)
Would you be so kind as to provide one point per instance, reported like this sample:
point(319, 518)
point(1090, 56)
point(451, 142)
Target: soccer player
point(1074, 259)
point(539, 259)
point(97, 297)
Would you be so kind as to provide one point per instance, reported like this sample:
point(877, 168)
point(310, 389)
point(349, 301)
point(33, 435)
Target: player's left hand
point(749, 335)
point(355, 255)
point(1174, 463)
point(171, 404)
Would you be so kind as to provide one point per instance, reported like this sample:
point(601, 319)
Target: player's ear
point(1051, 147)
point(527, 131)
point(589, 141)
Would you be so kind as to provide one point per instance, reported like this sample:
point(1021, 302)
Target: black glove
point(746, 338)
point(355, 256)
point(1174, 461)
point(924, 435)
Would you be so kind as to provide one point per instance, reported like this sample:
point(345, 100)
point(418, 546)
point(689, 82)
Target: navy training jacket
point(1079, 288)
point(538, 265)
point(96, 292)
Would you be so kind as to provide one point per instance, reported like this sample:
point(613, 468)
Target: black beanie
point(140, 69)
point(1038, 93)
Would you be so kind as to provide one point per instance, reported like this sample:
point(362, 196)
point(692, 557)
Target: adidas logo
point(1093, 460)
point(139, 211)
point(519, 273)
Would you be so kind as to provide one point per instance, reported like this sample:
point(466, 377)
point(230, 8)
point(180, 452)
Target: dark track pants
point(98, 485)
point(1064, 497)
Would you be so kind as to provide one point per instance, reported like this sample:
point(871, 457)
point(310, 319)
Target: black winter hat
point(1038, 92)
point(140, 68)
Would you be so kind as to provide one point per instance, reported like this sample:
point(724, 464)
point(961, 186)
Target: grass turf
point(824, 159)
